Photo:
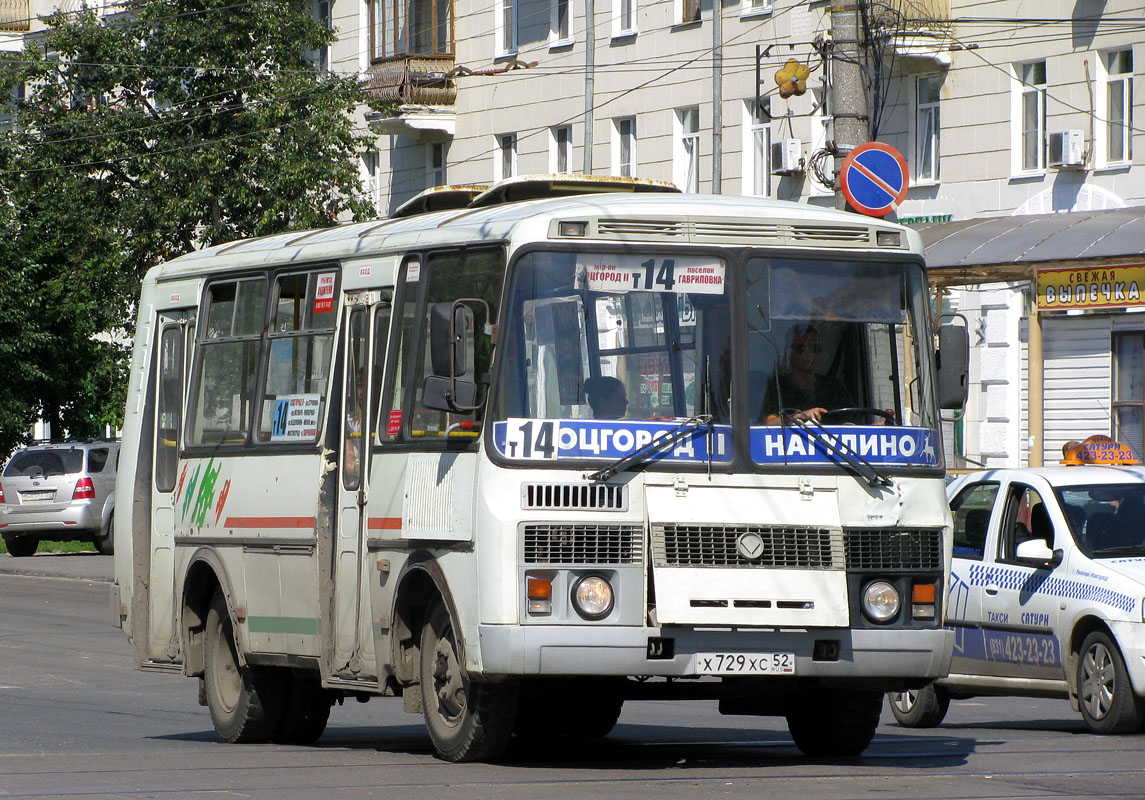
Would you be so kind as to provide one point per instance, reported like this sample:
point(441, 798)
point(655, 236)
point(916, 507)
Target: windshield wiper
point(833, 445)
point(646, 452)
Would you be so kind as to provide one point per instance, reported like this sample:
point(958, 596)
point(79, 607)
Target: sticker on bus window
point(324, 293)
point(413, 272)
point(622, 272)
point(295, 417)
point(394, 423)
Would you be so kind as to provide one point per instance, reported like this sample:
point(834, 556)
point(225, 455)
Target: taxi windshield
point(1106, 519)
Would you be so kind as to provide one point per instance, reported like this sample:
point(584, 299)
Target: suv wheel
point(103, 541)
point(21, 546)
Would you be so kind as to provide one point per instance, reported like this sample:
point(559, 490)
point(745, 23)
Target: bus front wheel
point(245, 702)
point(467, 721)
point(835, 723)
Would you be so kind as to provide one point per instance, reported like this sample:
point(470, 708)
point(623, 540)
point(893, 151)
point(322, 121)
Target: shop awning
point(991, 249)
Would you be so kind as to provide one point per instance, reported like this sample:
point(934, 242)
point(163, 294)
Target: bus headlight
point(881, 601)
point(593, 597)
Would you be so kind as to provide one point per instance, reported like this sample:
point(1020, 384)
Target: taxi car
point(59, 491)
point(1047, 589)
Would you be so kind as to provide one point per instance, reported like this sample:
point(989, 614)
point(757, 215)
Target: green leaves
point(174, 125)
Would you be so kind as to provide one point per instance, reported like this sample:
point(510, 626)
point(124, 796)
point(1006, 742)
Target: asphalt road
point(76, 721)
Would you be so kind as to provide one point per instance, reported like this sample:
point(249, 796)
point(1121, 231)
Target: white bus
point(521, 461)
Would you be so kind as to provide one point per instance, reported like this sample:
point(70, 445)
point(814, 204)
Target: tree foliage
point(172, 125)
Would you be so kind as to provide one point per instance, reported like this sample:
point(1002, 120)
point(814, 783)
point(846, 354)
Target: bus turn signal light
point(540, 596)
point(922, 598)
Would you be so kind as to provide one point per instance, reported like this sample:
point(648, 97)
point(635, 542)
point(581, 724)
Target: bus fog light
point(593, 597)
point(881, 601)
point(922, 612)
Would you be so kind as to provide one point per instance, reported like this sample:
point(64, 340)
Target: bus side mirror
point(953, 366)
point(450, 330)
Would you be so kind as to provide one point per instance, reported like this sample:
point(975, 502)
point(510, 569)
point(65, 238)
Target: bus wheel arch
point(205, 576)
point(420, 585)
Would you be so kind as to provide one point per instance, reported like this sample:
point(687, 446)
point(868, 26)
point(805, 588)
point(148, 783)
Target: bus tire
point(466, 720)
point(835, 723)
point(306, 711)
point(1104, 692)
point(245, 702)
point(919, 708)
point(21, 546)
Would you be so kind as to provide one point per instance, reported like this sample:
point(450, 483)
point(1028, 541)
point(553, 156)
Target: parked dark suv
point(58, 491)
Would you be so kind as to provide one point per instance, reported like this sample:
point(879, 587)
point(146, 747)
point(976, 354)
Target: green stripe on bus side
point(302, 625)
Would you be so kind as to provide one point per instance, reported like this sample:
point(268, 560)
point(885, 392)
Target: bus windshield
point(606, 352)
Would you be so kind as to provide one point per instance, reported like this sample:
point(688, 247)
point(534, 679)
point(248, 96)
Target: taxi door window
point(1027, 517)
point(972, 509)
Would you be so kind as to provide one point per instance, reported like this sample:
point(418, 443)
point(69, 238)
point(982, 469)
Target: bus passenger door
point(367, 319)
point(175, 334)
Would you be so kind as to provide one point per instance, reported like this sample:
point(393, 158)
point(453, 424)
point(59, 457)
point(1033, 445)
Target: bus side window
point(226, 362)
point(449, 276)
point(169, 411)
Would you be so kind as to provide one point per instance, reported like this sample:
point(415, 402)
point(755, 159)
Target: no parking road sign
point(874, 178)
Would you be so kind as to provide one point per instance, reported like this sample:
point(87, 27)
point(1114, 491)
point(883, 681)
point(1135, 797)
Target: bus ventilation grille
point(583, 544)
point(893, 548)
point(720, 546)
point(574, 497)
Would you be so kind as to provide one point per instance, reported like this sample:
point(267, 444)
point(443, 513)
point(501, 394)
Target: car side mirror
point(953, 366)
point(1038, 550)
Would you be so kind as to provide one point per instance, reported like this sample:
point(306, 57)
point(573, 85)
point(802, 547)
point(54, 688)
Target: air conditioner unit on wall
point(786, 157)
point(1067, 149)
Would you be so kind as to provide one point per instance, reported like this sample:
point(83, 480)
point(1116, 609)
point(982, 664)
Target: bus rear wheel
point(466, 720)
point(307, 710)
point(835, 723)
point(245, 702)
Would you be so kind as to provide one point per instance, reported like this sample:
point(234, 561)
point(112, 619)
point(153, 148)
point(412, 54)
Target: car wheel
point(245, 702)
point(919, 708)
point(21, 546)
point(835, 723)
point(466, 720)
point(1104, 693)
point(104, 542)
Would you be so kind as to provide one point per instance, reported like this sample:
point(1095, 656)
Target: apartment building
point(1016, 121)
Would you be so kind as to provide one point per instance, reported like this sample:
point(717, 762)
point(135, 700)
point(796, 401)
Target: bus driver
point(802, 387)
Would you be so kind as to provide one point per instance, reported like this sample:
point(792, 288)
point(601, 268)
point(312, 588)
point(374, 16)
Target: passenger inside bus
point(802, 388)
point(606, 397)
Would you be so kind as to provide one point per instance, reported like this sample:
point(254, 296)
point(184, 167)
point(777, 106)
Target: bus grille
point(573, 497)
point(893, 548)
point(716, 546)
point(583, 544)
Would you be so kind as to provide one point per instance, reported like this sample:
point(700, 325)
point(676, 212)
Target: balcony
point(15, 16)
point(918, 30)
point(421, 80)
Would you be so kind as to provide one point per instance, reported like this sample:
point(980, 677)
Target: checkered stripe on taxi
point(1053, 586)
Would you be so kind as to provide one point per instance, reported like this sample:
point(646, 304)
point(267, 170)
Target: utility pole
point(589, 78)
point(848, 102)
point(717, 96)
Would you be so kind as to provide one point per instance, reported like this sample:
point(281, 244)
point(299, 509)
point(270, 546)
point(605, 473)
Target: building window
point(560, 152)
point(927, 128)
point(687, 11)
point(1119, 105)
point(560, 31)
point(1128, 394)
point(505, 157)
point(506, 27)
point(370, 162)
point(751, 7)
point(756, 150)
point(435, 159)
point(687, 161)
point(1030, 97)
point(322, 14)
point(624, 18)
point(624, 144)
point(410, 27)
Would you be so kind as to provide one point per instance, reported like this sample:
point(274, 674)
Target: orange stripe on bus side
point(269, 522)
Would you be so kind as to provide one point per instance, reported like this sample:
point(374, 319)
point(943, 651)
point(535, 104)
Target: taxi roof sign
point(1098, 449)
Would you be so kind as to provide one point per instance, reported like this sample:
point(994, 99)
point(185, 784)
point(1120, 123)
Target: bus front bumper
point(513, 650)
